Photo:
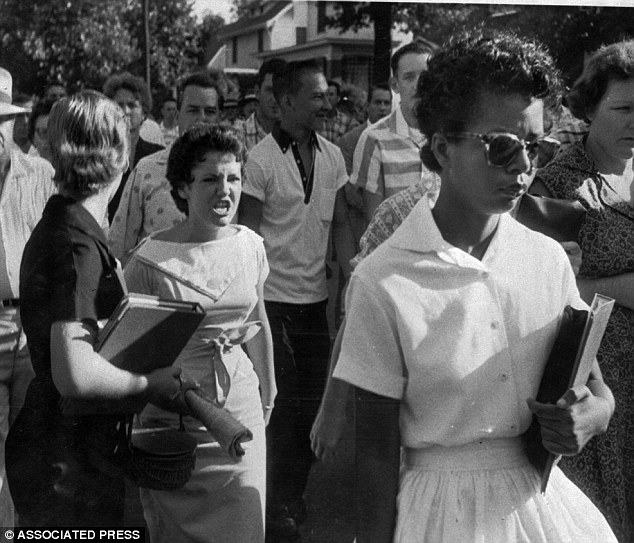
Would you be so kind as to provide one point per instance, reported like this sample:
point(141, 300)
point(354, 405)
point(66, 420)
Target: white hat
point(6, 85)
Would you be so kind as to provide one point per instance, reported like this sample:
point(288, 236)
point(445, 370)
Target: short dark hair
point(131, 83)
point(417, 47)
point(41, 107)
point(270, 66)
point(289, 79)
point(475, 62)
point(199, 79)
point(609, 63)
point(190, 149)
point(378, 86)
point(337, 86)
point(168, 99)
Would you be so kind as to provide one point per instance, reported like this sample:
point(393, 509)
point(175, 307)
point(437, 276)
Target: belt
point(10, 302)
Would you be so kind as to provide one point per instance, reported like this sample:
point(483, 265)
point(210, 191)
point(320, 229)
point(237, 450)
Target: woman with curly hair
point(451, 320)
point(222, 266)
point(69, 281)
point(597, 171)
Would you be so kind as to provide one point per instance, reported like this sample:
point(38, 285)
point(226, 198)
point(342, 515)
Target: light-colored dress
point(462, 343)
point(224, 500)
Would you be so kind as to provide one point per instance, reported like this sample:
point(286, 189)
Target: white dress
point(224, 500)
point(462, 344)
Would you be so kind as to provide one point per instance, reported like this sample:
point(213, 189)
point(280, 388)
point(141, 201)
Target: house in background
point(296, 30)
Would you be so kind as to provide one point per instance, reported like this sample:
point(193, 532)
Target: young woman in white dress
point(450, 321)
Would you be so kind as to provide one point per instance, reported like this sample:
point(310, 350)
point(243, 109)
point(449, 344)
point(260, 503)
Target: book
point(144, 333)
point(569, 365)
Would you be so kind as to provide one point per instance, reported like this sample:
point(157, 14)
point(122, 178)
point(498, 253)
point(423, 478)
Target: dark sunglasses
point(502, 148)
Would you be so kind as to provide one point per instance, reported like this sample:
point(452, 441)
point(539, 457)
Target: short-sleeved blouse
point(67, 273)
point(461, 342)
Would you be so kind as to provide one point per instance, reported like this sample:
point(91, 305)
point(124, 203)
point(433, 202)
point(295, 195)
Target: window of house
point(321, 16)
point(234, 50)
point(260, 40)
point(357, 70)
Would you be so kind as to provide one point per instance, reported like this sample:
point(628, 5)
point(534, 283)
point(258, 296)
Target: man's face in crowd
point(380, 105)
point(55, 92)
point(168, 111)
point(198, 104)
point(333, 96)
point(310, 105)
point(405, 80)
point(268, 107)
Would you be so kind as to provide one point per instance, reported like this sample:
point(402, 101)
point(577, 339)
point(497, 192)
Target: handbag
point(559, 219)
point(160, 459)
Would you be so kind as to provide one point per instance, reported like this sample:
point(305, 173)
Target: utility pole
point(146, 35)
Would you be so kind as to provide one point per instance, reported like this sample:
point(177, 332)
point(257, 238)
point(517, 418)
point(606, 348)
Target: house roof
point(252, 23)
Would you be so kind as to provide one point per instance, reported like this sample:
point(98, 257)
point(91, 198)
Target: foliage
point(570, 32)
point(81, 42)
point(86, 43)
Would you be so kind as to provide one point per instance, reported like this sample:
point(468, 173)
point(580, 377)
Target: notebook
point(144, 333)
point(569, 365)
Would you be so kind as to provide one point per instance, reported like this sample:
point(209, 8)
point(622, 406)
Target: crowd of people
point(448, 305)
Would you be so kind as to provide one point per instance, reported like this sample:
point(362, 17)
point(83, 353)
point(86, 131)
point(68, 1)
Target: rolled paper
point(225, 429)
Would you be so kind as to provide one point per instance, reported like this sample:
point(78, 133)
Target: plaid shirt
point(337, 126)
point(251, 131)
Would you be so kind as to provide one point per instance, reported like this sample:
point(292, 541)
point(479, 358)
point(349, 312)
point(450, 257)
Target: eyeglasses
point(502, 148)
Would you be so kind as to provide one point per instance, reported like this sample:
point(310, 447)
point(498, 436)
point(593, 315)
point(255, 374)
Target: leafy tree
point(85, 44)
point(570, 32)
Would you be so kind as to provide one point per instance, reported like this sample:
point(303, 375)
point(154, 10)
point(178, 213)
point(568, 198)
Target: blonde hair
point(88, 136)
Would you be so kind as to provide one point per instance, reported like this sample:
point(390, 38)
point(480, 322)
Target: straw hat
point(6, 85)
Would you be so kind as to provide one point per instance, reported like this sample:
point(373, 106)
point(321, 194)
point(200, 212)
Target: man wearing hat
point(25, 185)
point(248, 105)
point(230, 112)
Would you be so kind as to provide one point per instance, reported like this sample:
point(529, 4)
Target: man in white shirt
point(25, 185)
point(292, 193)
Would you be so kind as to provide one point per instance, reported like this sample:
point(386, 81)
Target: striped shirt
point(387, 157)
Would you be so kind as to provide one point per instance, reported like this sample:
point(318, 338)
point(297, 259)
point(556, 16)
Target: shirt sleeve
point(342, 174)
point(357, 159)
point(126, 225)
point(79, 278)
point(255, 184)
point(369, 173)
point(370, 356)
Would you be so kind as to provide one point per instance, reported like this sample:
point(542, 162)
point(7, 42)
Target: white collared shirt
point(461, 342)
point(26, 189)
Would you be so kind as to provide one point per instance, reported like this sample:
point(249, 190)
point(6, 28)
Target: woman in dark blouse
point(56, 464)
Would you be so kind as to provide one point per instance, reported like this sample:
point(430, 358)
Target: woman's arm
point(377, 455)
point(260, 350)
point(620, 287)
point(580, 414)
point(80, 372)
